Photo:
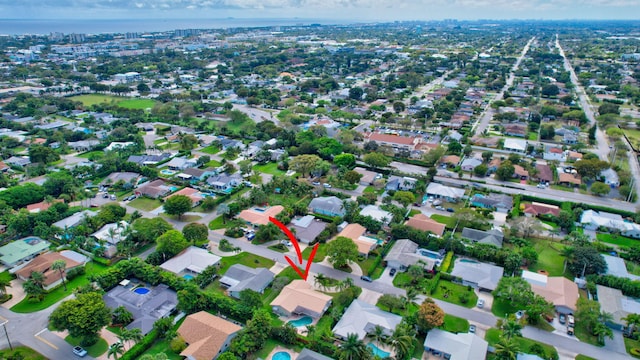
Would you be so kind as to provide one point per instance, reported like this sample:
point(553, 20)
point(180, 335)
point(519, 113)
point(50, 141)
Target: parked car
point(79, 351)
point(327, 186)
point(472, 329)
point(392, 272)
point(480, 303)
point(366, 278)
point(105, 196)
point(250, 236)
point(570, 330)
point(450, 210)
point(562, 318)
point(519, 314)
point(316, 183)
point(570, 320)
point(113, 197)
point(440, 208)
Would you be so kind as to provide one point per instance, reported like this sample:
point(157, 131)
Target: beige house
point(356, 232)
point(424, 223)
point(300, 298)
point(207, 335)
point(560, 291)
point(257, 217)
point(43, 265)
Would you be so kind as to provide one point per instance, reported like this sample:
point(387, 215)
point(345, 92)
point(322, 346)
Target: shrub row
point(138, 349)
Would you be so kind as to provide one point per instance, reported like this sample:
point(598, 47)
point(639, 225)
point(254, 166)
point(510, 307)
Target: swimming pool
point(303, 321)
point(141, 290)
point(431, 254)
point(468, 261)
point(173, 188)
point(201, 194)
point(167, 172)
point(377, 351)
point(187, 276)
point(281, 355)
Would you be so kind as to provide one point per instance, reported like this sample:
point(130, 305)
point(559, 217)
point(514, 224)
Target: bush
point(464, 298)
point(234, 232)
point(75, 272)
point(635, 351)
point(89, 340)
point(140, 347)
point(434, 283)
point(177, 344)
point(446, 263)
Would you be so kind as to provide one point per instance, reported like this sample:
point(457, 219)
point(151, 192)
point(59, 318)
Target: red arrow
point(294, 241)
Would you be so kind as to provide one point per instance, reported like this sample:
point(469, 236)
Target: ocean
point(44, 27)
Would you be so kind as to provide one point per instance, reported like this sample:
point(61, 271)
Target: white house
point(592, 220)
point(515, 145)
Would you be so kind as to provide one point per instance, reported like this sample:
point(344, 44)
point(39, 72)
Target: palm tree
point(38, 278)
point(321, 280)
point(511, 328)
point(601, 331)
point(60, 266)
point(402, 343)
point(378, 334)
point(115, 350)
point(507, 349)
point(224, 210)
point(632, 321)
point(412, 294)
point(127, 335)
point(4, 282)
point(311, 331)
point(354, 349)
point(345, 284)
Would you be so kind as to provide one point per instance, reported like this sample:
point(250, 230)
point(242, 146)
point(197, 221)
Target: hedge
point(446, 263)
point(573, 205)
point(138, 349)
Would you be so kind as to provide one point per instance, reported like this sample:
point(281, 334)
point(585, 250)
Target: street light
point(4, 325)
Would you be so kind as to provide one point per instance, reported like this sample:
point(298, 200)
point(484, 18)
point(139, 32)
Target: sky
point(357, 10)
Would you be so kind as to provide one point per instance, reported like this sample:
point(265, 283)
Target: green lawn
point(320, 254)
point(279, 248)
point(89, 154)
point(213, 164)
point(584, 357)
point(92, 99)
point(448, 221)
point(583, 334)
point(145, 204)
point(450, 292)
point(532, 136)
point(141, 104)
point(493, 336)
point(549, 257)
point(631, 344)
point(455, 324)
point(562, 187)
point(162, 346)
point(502, 307)
point(211, 150)
point(217, 223)
point(244, 258)
point(5, 275)
point(21, 352)
point(617, 239)
point(414, 212)
point(95, 350)
point(269, 168)
point(59, 293)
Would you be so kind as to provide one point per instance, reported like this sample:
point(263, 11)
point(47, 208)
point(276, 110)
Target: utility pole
point(4, 325)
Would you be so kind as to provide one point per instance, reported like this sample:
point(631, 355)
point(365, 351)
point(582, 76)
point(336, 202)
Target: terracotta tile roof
point(256, 217)
point(536, 209)
point(353, 231)
point(568, 178)
point(205, 334)
point(191, 193)
point(42, 206)
point(450, 159)
point(300, 294)
point(425, 223)
point(395, 139)
point(520, 171)
point(43, 264)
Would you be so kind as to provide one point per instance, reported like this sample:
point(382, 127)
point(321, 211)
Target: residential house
point(368, 177)
point(395, 142)
point(4, 167)
point(42, 205)
point(118, 145)
point(470, 163)
point(449, 160)
point(499, 202)
point(493, 166)
point(574, 156)
point(240, 277)
point(593, 220)
point(224, 183)
point(259, 216)
point(356, 232)
point(299, 298)
point(568, 179)
point(206, 335)
point(159, 302)
point(405, 253)
point(515, 145)
point(424, 223)
point(231, 143)
point(154, 189)
point(42, 264)
point(448, 193)
point(125, 177)
point(545, 175)
point(190, 262)
point(610, 177)
point(307, 354)
point(516, 129)
point(560, 291)
point(20, 161)
point(491, 237)
point(482, 276)
point(21, 250)
point(148, 159)
point(254, 148)
point(329, 206)
point(617, 267)
point(377, 214)
point(613, 302)
point(195, 195)
point(180, 163)
point(307, 228)
point(405, 183)
point(536, 209)
point(195, 174)
point(111, 235)
point(84, 145)
point(362, 318)
point(520, 173)
point(74, 220)
point(462, 346)
point(554, 153)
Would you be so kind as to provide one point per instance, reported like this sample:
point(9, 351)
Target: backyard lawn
point(92, 99)
point(21, 352)
point(269, 168)
point(59, 293)
point(616, 239)
point(502, 307)
point(448, 221)
point(493, 336)
point(218, 223)
point(145, 204)
point(89, 154)
point(94, 350)
point(450, 292)
point(211, 150)
point(162, 346)
point(549, 257)
point(455, 324)
point(141, 104)
point(320, 254)
point(631, 344)
point(244, 258)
